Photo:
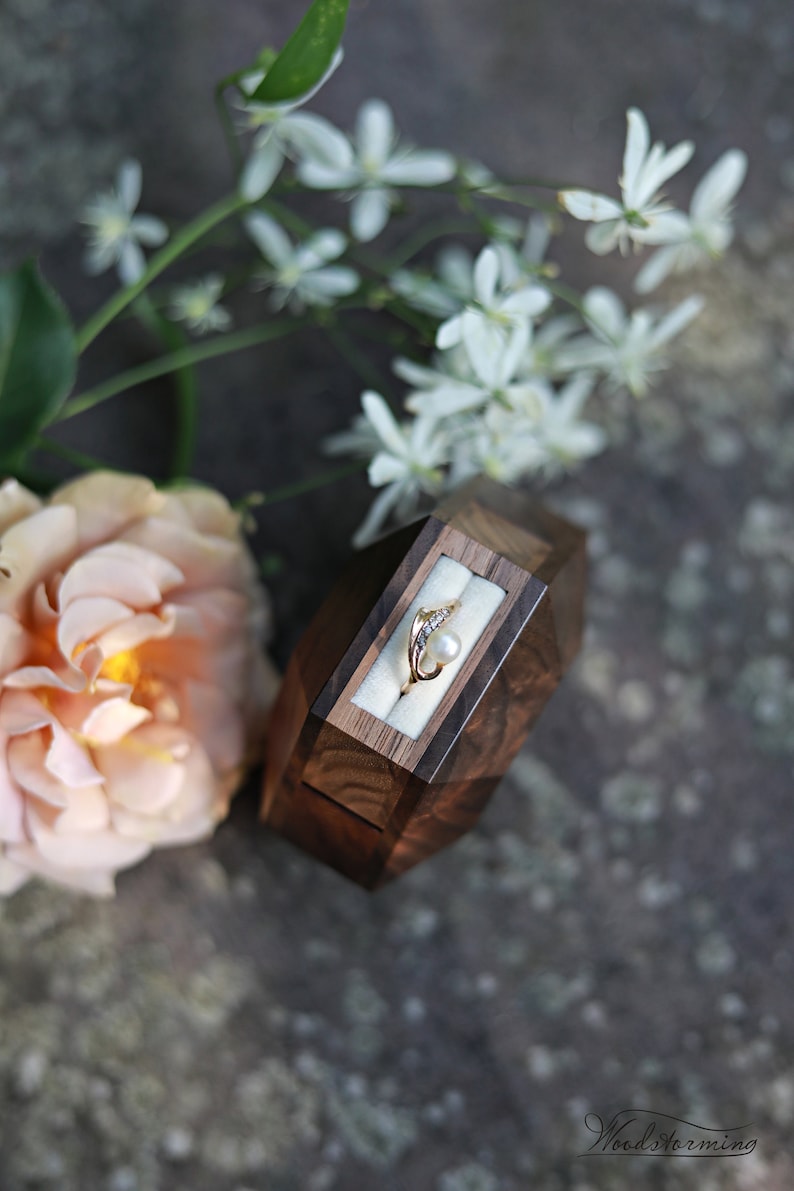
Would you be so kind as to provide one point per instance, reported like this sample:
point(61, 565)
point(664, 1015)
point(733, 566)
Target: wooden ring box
point(357, 793)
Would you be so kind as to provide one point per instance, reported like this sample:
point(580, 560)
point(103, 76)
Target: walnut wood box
point(357, 793)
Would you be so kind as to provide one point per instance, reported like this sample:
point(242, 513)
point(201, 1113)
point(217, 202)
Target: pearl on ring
point(427, 636)
point(443, 646)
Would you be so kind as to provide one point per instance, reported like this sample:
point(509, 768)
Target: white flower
point(494, 329)
point(563, 436)
point(408, 463)
point(116, 233)
point(301, 274)
point(441, 395)
point(376, 165)
point(708, 230)
point(518, 266)
point(197, 305)
point(423, 292)
point(544, 354)
point(537, 430)
point(444, 294)
point(628, 348)
point(284, 131)
point(501, 443)
point(641, 215)
point(361, 440)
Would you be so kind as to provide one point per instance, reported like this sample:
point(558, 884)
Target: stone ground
point(617, 932)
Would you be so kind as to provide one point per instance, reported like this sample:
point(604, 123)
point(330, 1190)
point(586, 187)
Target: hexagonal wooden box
point(357, 793)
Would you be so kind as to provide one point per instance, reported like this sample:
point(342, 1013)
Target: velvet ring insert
point(429, 636)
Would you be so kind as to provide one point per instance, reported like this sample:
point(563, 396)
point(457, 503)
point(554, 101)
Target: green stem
point(426, 235)
point(227, 126)
point(71, 455)
point(358, 361)
point(321, 481)
point(194, 354)
point(185, 383)
point(186, 236)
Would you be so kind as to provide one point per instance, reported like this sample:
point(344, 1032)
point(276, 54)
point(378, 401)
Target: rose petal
point(128, 635)
point(16, 502)
point(215, 720)
point(11, 801)
point(32, 549)
point(69, 761)
point(15, 643)
point(12, 876)
point(205, 560)
point(83, 850)
point(120, 571)
point(87, 811)
point(204, 510)
point(106, 502)
point(85, 619)
point(113, 719)
point(193, 816)
point(21, 711)
point(144, 771)
point(27, 756)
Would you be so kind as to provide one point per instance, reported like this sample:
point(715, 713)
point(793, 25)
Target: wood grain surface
point(361, 795)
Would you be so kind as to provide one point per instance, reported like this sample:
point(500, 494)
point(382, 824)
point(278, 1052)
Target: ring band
point(426, 623)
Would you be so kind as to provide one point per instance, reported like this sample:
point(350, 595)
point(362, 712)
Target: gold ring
point(428, 636)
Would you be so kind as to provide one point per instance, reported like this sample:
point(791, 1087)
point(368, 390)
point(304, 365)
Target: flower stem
point(426, 235)
point(71, 455)
point(183, 239)
point(185, 383)
point(185, 357)
point(358, 360)
point(321, 481)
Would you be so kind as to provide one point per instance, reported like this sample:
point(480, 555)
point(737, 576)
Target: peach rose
point(132, 682)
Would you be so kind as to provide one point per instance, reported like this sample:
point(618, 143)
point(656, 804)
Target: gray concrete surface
point(617, 932)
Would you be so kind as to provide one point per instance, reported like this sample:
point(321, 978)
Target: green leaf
point(37, 358)
point(307, 55)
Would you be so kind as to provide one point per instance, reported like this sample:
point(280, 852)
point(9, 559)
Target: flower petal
point(16, 502)
point(638, 139)
point(15, 643)
point(655, 269)
point(128, 184)
point(112, 719)
point(215, 720)
point(605, 312)
point(106, 502)
point(449, 334)
point(486, 275)
point(369, 213)
point(145, 771)
point(584, 204)
point(384, 422)
point(83, 850)
point(85, 619)
point(269, 237)
point(317, 139)
point(718, 187)
point(68, 761)
point(333, 282)
point(261, 169)
point(374, 132)
point(32, 549)
point(601, 238)
point(385, 469)
point(120, 571)
point(419, 167)
point(11, 801)
point(149, 230)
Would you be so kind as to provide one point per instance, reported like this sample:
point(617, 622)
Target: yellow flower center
point(122, 667)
